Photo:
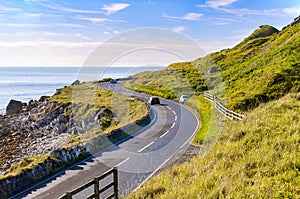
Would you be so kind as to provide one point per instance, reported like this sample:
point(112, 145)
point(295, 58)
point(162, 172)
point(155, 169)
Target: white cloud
point(106, 33)
point(36, 25)
point(65, 9)
point(96, 19)
point(116, 31)
point(179, 28)
point(115, 7)
point(8, 9)
point(190, 16)
point(266, 12)
point(20, 44)
point(292, 11)
point(219, 3)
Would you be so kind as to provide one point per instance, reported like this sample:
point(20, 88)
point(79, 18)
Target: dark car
point(154, 100)
point(113, 81)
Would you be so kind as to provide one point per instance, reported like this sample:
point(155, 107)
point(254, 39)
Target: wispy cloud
point(189, 16)
point(219, 3)
point(49, 44)
point(8, 9)
point(292, 11)
point(266, 12)
point(35, 25)
point(73, 10)
point(115, 7)
point(179, 28)
point(97, 19)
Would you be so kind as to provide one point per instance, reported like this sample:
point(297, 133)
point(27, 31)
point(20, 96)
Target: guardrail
point(97, 190)
point(223, 109)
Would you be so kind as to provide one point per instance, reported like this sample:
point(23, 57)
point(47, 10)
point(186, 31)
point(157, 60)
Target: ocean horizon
point(30, 83)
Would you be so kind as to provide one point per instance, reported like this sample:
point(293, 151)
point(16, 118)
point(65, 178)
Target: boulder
point(13, 107)
point(44, 98)
point(213, 70)
point(76, 82)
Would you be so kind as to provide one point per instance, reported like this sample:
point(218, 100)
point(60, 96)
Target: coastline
point(61, 155)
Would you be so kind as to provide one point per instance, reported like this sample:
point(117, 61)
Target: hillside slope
point(263, 67)
point(254, 158)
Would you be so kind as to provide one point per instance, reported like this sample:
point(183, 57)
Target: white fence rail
point(223, 109)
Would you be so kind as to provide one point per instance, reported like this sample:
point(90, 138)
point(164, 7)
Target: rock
point(13, 107)
point(212, 70)
point(44, 98)
point(57, 92)
point(76, 82)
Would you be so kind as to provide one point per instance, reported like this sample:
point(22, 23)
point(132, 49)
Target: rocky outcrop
point(212, 70)
point(28, 177)
point(296, 21)
point(39, 140)
point(13, 107)
point(76, 82)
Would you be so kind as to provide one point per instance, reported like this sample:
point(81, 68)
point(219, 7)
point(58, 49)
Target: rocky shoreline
point(38, 129)
point(44, 127)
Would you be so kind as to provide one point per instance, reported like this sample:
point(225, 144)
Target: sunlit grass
point(255, 158)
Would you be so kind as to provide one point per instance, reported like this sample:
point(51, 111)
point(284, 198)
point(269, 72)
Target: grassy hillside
point(254, 158)
point(261, 68)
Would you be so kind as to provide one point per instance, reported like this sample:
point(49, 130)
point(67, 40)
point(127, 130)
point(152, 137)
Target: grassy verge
point(203, 107)
point(255, 158)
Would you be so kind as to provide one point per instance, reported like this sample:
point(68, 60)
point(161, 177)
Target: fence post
point(69, 195)
point(116, 184)
point(96, 188)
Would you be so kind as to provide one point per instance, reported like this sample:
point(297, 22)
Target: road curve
point(137, 158)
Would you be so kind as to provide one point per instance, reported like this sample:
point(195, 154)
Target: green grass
point(255, 158)
point(259, 156)
point(205, 111)
point(257, 71)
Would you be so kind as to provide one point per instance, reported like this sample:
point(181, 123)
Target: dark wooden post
point(96, 188)
point(116, 184)
point(69, 195)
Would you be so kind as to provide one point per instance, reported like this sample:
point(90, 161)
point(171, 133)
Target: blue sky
point(64, 33)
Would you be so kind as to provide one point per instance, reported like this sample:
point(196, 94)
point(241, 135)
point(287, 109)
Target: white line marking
point(142, 149)
point(174, 113)
point(158, 168)
point(122, 162)
point(175, 117)
point(169, 107)
point(173, 125)
point(164, 134)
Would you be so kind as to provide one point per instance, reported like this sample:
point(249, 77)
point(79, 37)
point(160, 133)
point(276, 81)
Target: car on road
point(183, 98)
point(113, 81)
point(154, 100)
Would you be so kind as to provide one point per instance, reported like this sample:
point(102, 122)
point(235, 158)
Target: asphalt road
point(137, 158)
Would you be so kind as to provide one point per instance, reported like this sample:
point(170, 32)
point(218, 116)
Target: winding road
point(137, 158)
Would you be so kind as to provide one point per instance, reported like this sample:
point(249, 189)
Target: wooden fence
point(97, 190)
point(223, 109)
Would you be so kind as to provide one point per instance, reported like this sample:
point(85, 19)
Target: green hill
point(257, 157)
point(263, 67)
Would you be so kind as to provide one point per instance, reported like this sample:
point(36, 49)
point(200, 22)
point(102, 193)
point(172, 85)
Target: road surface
point(137, 158)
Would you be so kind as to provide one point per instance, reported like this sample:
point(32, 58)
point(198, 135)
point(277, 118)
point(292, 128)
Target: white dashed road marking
point(164, 134)
point(122, 162)
point(142, 149)
point(173, 125)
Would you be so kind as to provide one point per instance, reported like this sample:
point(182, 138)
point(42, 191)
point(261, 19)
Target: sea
point(30, 83)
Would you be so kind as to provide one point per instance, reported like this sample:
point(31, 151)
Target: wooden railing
point(223, 109)
point(97, 190)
